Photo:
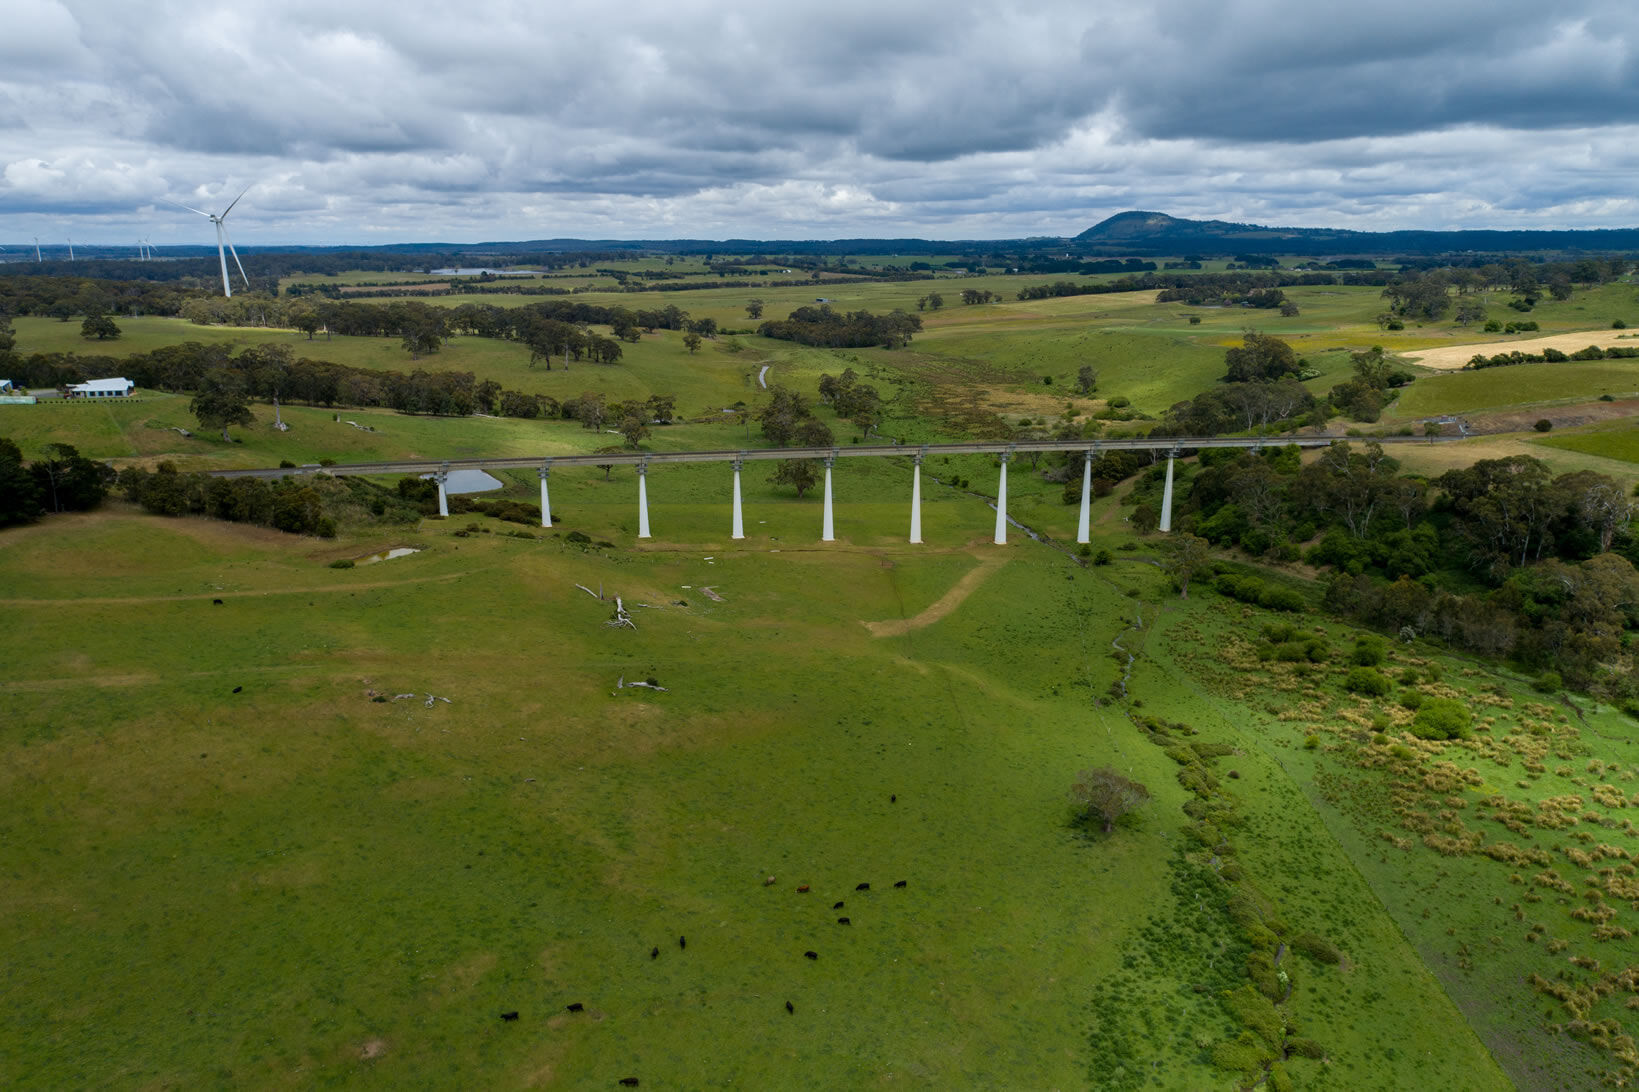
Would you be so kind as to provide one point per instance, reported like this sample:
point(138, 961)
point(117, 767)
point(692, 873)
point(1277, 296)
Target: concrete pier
point(1084, 523)
point(828, 532)
point(546, 499)
point(739, 521)
point(1001, 503)
point(1165, 525)
point(642, 501)
point(442, 476)
point(916, 502)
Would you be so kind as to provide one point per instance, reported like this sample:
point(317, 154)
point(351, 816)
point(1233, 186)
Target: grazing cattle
point(629, 1082)
point(838, 905)
point(789, 1007)
point(901, 883)
point(216, 602)
point(576, 1006)
point(509, 1016)
point(769, 882)
point(844, 921)
point(893, 798)
point(654, 953)
point(862, 887)
point(811, 955)
point(682, 942)
point(802, 889)
point(237, 689)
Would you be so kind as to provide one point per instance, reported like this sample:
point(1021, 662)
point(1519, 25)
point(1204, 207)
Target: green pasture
point(1615, 440)
point(1518, 385)
point(305, 885)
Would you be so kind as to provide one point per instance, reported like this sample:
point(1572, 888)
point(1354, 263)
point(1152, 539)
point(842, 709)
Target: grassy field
point(325, 888)
point(1618, 440)
point(1520, 385)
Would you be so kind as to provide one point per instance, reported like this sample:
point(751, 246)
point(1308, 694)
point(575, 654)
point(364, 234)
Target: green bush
point(1317, 948)
point(342, 563)
point(1442, 718)
point(1548, 682)
point(1368, 651)
point(1543, 425)
point(1279, 631)
point(1367, 680)
point(1412, 699)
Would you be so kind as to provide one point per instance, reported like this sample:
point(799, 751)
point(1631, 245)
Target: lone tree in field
point(100, 327)
point(754, 308)
point(1106, 795)
point(1188, 555)
point(221, 401)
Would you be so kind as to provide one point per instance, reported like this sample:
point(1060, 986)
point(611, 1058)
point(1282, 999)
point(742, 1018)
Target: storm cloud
point(372, 121)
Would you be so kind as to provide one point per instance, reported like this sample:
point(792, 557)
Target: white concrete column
point(916, 501)
point(1084, 524)
point(443, 498)
point(1166, 501)
point(546, 501)
point(828, 531)
point(1001, 505)
point(739, 523)
point(642, 501)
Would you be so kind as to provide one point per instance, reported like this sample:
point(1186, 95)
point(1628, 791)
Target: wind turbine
point(37, 249)
point(71, 248)
point(221, 238)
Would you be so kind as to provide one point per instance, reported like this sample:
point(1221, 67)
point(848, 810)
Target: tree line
point(828, 328)
point(1551, 555)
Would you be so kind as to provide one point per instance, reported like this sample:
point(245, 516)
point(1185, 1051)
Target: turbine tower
point(37, 249)
point(71, 248)
point(221, 238)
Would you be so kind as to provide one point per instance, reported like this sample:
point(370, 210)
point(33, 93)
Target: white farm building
point(102, 388)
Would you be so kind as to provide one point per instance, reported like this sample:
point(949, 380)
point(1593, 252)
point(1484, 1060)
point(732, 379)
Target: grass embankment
point(1505, 859)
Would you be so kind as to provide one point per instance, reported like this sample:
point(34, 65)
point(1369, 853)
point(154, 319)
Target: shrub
point(1366, 680)
point(1368, 651)
point(1310, 742)
point(1442, 718)
point(1120, 402)
point(1317, 948)
point(1543, 425)
point(1102, 558)
point(1618, 324)
point(1548, 682)
point(327, 461)
point(1412, 699)
point(286, 464)
point(342, 563)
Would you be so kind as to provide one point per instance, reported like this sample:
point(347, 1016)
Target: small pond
point(388, 555)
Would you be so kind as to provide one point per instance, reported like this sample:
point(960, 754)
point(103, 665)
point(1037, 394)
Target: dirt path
point(1450, 358)
point(946, 603)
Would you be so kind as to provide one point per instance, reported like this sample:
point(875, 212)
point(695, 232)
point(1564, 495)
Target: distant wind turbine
point(71, 248)
point(37, 249)
point(221, 238)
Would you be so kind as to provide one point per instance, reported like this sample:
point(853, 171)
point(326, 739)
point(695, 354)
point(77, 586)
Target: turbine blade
point(190, 208)
point(234, 252)
point(236, 200)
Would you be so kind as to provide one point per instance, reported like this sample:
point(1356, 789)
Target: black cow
point(844, 921)
point(789, 1007)
point(509, 1016)
point(811, 955)
point(901, 883)
point(576, 1006)
point(862, 887)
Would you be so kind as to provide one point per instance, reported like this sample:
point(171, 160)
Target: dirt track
point(1449, 358)
point(946, 603)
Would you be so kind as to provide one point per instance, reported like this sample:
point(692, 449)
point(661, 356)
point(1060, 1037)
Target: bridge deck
point(728, 455)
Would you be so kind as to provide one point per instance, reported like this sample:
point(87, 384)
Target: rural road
point(762, 377)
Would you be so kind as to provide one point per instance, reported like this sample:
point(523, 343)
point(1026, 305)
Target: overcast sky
point(368, 121)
